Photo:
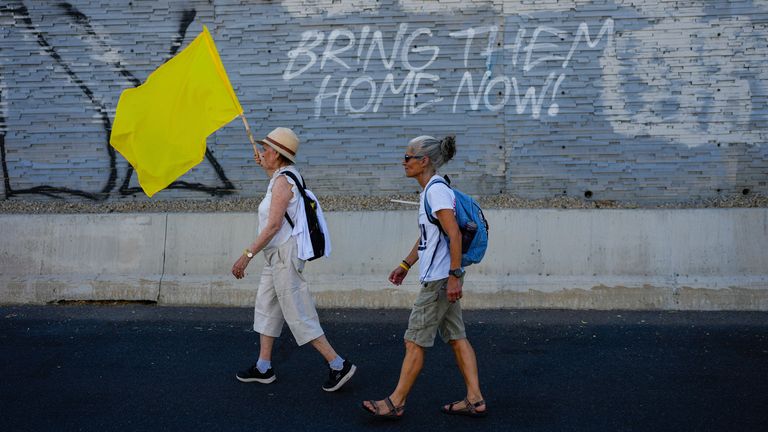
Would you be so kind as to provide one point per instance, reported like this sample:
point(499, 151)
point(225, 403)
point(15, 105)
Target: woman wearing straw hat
point(437, 308)
point(283, 294)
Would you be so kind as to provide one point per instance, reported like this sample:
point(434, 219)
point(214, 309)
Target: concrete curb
point(691, 259)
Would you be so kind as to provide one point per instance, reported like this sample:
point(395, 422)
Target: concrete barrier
point(692, 259)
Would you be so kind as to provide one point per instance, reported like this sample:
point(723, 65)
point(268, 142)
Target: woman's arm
point(451, 228)
point(281, 196)
point(399, 273)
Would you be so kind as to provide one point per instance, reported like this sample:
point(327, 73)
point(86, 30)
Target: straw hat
point(284, 141)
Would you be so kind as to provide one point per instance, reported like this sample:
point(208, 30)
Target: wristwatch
point(458, 273)
point(248, 253)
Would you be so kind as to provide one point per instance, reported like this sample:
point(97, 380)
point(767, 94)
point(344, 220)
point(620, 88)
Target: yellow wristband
point(405, 265)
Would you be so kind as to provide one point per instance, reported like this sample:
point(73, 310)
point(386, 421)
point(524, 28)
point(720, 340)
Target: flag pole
point(250, 135)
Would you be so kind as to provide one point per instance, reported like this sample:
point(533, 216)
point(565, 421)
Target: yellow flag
point(160, 127)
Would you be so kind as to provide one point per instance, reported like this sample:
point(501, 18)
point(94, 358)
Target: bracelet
point(405, 265)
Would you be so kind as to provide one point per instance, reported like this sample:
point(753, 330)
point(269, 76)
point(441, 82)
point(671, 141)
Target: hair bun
point(448, 147)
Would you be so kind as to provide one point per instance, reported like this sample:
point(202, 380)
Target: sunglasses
point(409, 157)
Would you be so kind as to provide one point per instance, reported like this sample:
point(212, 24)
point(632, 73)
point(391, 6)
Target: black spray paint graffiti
point(187, 18)
point(20, 13)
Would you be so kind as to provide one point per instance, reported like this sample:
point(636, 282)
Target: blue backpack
point(471, 221)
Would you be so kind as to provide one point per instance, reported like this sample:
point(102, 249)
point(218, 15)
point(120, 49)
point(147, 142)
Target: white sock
point(263, 365)
point(337, 363)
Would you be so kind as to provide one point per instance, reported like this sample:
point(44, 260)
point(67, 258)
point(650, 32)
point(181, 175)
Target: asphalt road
point(149, 368)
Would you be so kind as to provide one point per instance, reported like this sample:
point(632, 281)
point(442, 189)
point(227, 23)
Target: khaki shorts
point(284, 296)
point(433, 313)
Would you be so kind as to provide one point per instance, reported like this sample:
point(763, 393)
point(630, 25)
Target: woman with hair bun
point(438, 305)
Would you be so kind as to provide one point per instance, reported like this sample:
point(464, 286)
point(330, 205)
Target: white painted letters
point(410, 59)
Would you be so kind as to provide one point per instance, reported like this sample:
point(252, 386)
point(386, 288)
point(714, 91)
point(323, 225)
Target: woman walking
point(283, 294)
point(438, 307)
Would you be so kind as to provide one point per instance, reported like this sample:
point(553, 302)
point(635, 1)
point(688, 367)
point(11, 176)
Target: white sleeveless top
point(293, 207)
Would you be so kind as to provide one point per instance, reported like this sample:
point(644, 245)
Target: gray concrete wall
point(633, 100)
point(699, 259)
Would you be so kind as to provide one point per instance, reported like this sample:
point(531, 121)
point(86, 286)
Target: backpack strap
point(301, 185)
point(428, 208)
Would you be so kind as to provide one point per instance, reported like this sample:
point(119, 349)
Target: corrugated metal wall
point(644, 100)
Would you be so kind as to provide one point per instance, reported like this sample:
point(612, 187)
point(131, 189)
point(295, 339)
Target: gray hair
point(438, 151)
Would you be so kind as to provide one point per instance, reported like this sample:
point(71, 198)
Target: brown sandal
point(394, 413)
point(469, 410)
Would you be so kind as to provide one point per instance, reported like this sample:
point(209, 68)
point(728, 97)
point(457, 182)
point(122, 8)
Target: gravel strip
point(352, 203)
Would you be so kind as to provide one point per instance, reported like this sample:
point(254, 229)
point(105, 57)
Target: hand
point(257, 157)
point(397, 275)
point(238, 269)
point(454, 289)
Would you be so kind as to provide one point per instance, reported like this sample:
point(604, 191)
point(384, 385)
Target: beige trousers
point(283, 296)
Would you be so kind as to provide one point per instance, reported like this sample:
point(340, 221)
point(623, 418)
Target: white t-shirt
point(434, 254)
point(293, 207)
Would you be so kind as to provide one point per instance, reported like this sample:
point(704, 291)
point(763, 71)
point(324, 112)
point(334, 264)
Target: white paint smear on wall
point(341, 7)
point(331, 8)
point(680, 88)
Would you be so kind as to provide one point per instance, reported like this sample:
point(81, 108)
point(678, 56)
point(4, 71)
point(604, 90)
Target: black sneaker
point(337, 378)
point(252, 374)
